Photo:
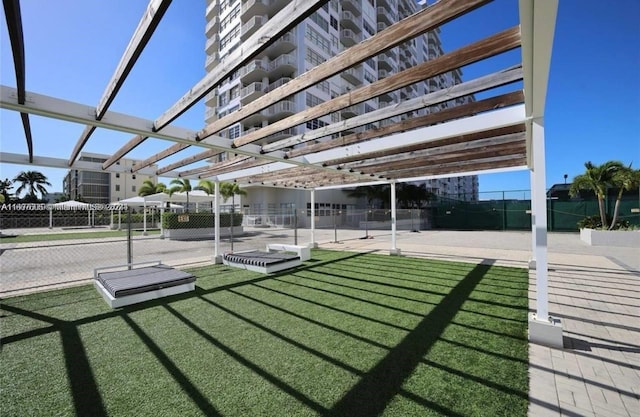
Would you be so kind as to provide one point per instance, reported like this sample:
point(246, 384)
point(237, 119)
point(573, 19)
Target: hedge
point(198, 220)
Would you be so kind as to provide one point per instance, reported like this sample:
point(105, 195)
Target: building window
point(312, 100)
point(315, 37)
point(133, 188)
point(320, 21)
point(314, 58)
point(117, 187)
point(117, 175)
point(234, 132)
point(133, 176)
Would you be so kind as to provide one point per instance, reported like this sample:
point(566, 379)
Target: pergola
point(500, 133)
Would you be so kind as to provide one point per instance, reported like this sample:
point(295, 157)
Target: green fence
point(514, 214)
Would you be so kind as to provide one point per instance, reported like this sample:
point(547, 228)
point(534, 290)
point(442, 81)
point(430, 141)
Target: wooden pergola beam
point(493, 45)
point(430, 119)
point(209, 153)
point(419, 23)
point(477, 166)
point(290, 16)
point(13, 17)
point(477, 85)
point(465, 145)
point(148, 23)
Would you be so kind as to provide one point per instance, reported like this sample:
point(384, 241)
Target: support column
point(111, 219)
point(144, 218)
point(394, 250)
point(51, 218)
point(532, 260)
point(217, 258)
point(313, 243)
point(543, 329)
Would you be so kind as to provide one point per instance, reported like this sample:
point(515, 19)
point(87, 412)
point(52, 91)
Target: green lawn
point(346, 334)
point(77, 235)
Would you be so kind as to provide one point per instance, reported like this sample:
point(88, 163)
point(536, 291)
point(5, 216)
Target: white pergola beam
point(50, 162)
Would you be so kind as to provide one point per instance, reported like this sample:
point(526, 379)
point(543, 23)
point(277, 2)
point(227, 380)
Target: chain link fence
point(42, 248)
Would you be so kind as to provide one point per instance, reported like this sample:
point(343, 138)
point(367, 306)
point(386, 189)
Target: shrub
point(594, 222)
point(198, 220)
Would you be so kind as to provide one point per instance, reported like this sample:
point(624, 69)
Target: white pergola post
point(216, 231)
point(313, 219)
point(144, 218)
point(161, 222)
point(111, 219)
point(532, 260)
point(50, 218)
point(543, 329)
point(394, 250)
point(119, 219)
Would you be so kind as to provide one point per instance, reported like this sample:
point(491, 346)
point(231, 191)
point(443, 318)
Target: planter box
point(629, 239)
point(200, 233)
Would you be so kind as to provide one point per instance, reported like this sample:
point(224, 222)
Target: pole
point(295, 226)
point(231, 227)
point(129, 243)
point(335, 226)
point(313, 218)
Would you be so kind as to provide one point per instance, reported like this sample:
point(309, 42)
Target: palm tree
point(33, 182)
point(371, 192)
point(182, 185)
point(227, 191)
point(208, 187)
point(149, 187)
point(5, 186)
point(625, 179)
point(596, 178)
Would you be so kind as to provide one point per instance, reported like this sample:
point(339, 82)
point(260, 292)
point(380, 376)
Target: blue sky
point(72, 48)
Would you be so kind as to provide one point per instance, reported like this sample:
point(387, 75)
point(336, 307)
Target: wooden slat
point(449, 157)
point(388, 154)
point(209, 153)
point(175, 148)
point(493, 45)
point(194, 171)
point(433, 152)
point(148, 23)
point(464, 110)
point(287, 18)
point(451, 93)
point(502, 162)
point(292, 14)
point(128, 147)
point(13, 17)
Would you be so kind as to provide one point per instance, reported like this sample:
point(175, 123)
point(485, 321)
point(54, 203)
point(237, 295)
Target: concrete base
point(532, 264)
point(217, 259)
point(547, 333)
point(395, 252)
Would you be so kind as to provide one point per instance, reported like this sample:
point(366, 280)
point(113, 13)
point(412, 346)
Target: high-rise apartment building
point(334, 27)
point(104, 187)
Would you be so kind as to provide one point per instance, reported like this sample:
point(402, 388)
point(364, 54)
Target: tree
point(625, 179)
point(182, 185)
point(149, 187)
point(412, 196)
point(207, 186)
point(5, 186)
point(596, 178)
point(33, 182)
point(229, 189)
point(371, 193)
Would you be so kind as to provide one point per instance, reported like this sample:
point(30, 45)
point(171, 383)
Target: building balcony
point(384, 63)
point(352, 111)
point(212, 10)
point(284, 45)
point(278, 83)
point(210, 115)
point(287, 133)
point(212, 61)
point(255, 71)
point(280, 110)
point(212, 26)
point(213, 44)
point(383, 73)
point(349, 20)
point(354, 75)
point(211, 99)
point(352, 6)
point(252, 26)
point(382, 26)
point(251, 92)
point(252, 8)
point(349, 38)
point(385, 16)
point(390, 97)
point(282, 65)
